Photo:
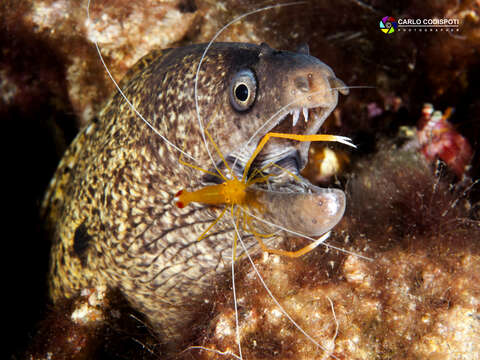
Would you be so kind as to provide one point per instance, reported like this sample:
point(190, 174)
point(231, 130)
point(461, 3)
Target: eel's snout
point(313, 85)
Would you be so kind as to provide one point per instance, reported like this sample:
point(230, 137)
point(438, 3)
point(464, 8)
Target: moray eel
point(110, 209)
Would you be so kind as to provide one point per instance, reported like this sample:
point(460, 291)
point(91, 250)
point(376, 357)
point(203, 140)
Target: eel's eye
point(243, 90)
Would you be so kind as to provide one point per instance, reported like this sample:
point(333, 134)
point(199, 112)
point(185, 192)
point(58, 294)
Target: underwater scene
point(199, 179)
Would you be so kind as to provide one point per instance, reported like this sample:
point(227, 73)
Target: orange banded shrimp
point(313, 214)
point(308, 213)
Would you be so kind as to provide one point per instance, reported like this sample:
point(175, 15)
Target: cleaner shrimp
point(238, 194)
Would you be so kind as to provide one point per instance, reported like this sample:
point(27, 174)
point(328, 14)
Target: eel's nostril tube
point(301, 83)
point(336, 83)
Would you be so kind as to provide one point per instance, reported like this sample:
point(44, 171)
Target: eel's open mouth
point(299, 120)
point(289, 156)
point(292, 201)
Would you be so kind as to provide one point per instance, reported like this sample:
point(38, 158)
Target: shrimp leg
point(294, 254)
point(204, 234)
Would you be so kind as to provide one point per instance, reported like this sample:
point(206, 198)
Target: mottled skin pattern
point(110, 206)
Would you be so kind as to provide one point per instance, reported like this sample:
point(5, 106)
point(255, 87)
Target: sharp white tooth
point(305, 114)
point(296, 115)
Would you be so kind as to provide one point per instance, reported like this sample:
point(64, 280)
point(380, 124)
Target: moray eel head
point(271, 90)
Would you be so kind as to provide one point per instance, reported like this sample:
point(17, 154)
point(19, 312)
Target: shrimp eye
point(243, 90)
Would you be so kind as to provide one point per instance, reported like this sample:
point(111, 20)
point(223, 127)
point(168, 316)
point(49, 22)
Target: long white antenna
point(305, 236)
point(172, 145)
point(237, 328)
point(275, 300)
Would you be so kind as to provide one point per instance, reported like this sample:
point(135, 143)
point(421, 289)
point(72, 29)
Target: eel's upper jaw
point(298, 121)
point(301, 120)
point(291, 155)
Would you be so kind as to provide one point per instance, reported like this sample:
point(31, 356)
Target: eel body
point(110, 209)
